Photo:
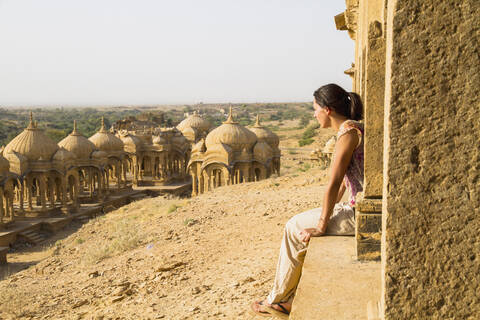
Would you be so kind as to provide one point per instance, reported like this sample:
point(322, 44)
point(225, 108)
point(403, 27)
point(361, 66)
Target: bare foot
point(259, 307)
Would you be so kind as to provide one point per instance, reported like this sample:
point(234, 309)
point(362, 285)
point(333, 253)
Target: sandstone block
point(368, 229)
point(3, 255)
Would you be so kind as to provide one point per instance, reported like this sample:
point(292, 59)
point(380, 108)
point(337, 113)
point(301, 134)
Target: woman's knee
point(290, 225)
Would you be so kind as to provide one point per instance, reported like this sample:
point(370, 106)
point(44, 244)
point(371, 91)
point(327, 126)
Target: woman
point(334, 108)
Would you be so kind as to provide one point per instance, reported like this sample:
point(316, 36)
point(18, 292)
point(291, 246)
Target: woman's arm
point(341, 191)
point(344, 148)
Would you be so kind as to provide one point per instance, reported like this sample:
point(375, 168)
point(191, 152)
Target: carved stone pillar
point(22, 192)
point(43, 192)
point(2, 211)
point(200, 184)
point(64, 192)
point(30, 196)
point(194, 184)
point(365, 22)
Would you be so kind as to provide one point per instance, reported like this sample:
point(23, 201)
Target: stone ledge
point(365, 205)
point(334, 285)
point(368, 235)
point(368, 222)
point(3, 255)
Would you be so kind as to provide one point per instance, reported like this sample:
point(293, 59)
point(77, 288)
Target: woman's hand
point(306, 234)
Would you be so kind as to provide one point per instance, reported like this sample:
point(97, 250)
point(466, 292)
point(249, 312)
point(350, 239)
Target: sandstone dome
point(264, 134)
point(179, 139)
point(262, 151)
point(99, 155)
point(199, 146)
point(76, 143)
point(32, 143)
point(232, 134)
point(159, 140)
point(63, 155)
point(4, 165)
point(131, 140)
point(106, 141)
point(196, 122)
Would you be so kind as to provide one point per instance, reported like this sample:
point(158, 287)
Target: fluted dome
point(231, 134)
point(131, 140)
point(4, 165)
point(106, 141)
point(196, 122)
point(32, 143)
point(199, 146)
point(76, 143)
point(262, 151)
point(159, 140)
point(63, 155)
point(264, 134)
point(179, 139)
point(99, 155)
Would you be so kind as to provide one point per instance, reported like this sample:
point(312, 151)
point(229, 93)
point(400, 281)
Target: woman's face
point(321, 114)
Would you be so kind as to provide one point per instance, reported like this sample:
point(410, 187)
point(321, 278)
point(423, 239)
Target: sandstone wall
point(374, 88)
point(431, 194)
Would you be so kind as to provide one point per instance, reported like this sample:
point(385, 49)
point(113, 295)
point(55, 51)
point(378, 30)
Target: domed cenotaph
point(232, 154)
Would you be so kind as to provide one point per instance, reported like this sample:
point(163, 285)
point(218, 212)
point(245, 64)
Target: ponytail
point(348, 104)
point(356, 106)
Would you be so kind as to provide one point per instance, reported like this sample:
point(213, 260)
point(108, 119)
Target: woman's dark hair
point(348, 104)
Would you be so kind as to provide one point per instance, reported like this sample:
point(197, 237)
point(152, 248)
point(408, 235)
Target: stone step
point(34, 237)
point(3, 255)
point(368, 228)
point(137, 197)
point(334, 284)
point(83, 219)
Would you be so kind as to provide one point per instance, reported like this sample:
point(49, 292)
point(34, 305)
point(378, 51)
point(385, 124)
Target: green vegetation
point(304, 121)
point(58, 121)
point(124, 236)
point(173, 208)
point(308, 134)
point(305, 167)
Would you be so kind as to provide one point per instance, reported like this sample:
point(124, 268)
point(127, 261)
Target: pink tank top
point(354, 176)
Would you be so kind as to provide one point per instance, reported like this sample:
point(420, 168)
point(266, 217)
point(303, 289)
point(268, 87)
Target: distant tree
point(304, 120)
point(55, 134)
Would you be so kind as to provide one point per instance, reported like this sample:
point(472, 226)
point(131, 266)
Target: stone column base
point(368, 228)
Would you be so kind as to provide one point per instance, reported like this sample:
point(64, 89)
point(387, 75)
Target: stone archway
point(215, 175)
point(71, 189)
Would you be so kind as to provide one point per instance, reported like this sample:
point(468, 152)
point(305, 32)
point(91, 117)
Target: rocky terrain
point(165, 258)
point(206, 257)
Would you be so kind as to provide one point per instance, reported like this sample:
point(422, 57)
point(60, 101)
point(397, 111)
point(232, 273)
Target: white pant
point(293, 249)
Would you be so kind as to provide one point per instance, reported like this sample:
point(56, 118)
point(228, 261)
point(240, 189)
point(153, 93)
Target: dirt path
point(203, 258)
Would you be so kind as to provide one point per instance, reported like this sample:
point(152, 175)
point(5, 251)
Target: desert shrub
point(308, 134)
point(173, 208)
point(123, 236)
point(305, 167)
point(304, 142)
point(304, 121)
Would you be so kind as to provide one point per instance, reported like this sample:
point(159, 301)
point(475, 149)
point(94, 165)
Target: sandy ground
point(207, 257)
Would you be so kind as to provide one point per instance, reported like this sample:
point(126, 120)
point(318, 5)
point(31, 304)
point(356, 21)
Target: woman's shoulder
point(350, 125)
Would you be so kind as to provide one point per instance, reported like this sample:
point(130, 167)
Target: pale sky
point(133, 52)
